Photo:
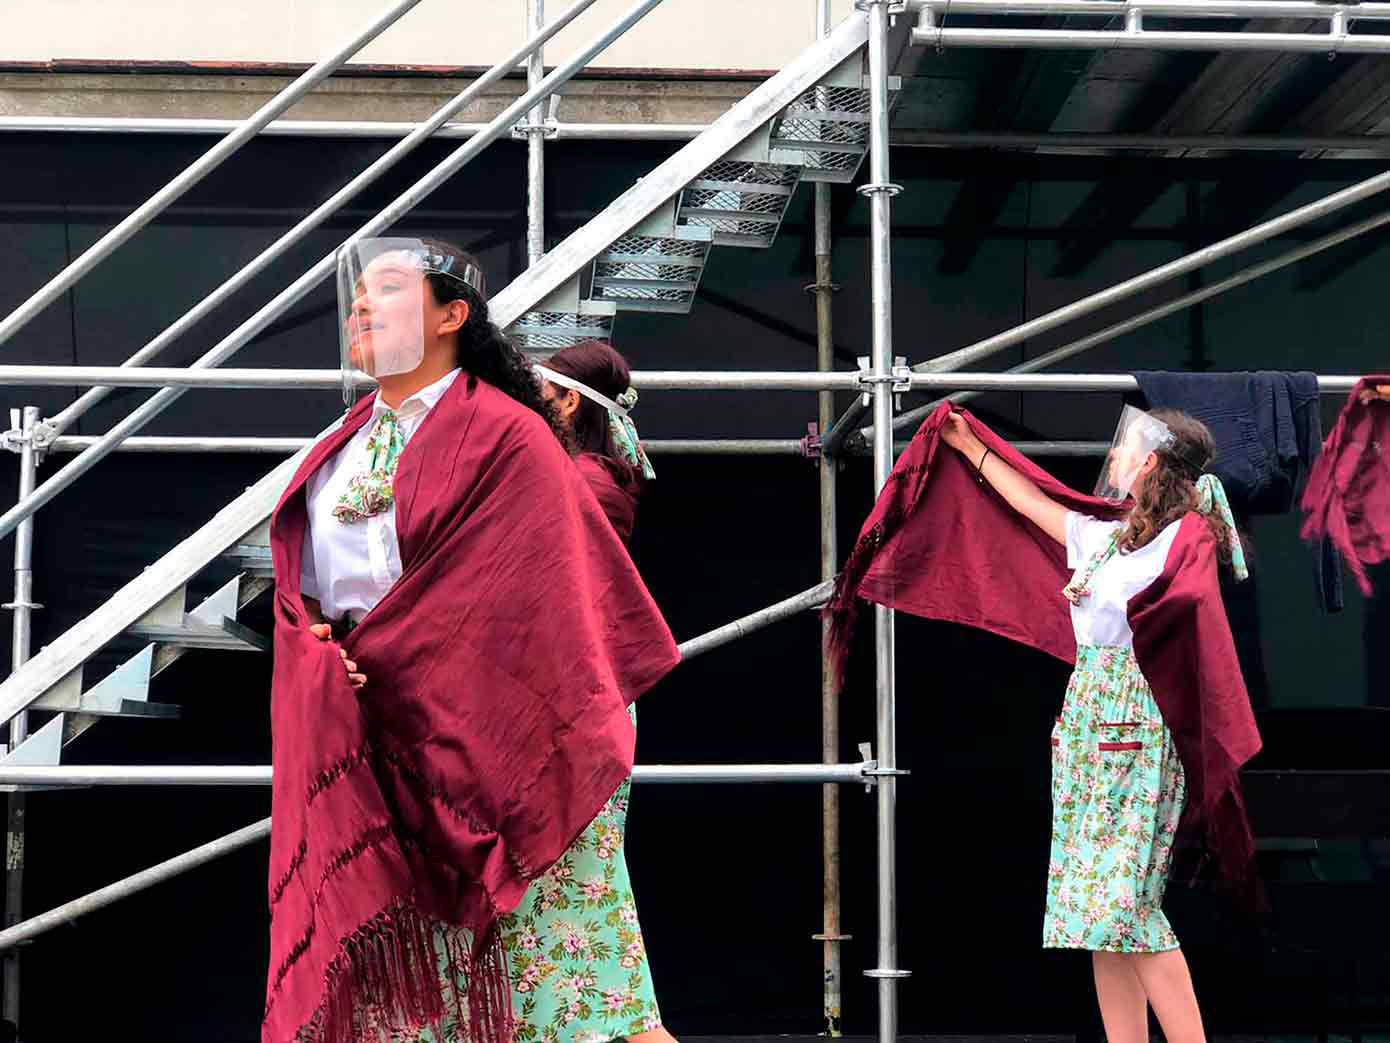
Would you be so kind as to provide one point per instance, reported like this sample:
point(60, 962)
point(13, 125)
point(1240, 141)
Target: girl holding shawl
point(1155, 722)
point(444, 727)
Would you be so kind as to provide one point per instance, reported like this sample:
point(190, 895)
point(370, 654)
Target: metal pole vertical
point(535, 142)
point(23, 607)
point(880, 192)
point(830, 936)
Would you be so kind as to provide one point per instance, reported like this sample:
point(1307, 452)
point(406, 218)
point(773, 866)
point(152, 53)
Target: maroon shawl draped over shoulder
point(941, 546)
point(1348, 494)
point(618, 500)
point(492, 729)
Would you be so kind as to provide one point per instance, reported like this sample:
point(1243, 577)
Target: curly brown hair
point(1170, 490)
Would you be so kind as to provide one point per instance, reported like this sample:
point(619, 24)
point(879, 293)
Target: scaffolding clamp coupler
point(900, 377)
point(811, 444)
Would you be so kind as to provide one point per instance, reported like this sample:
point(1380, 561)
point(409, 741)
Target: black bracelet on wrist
point(980, 468)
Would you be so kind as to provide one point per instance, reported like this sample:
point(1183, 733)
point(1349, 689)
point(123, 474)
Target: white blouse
point(349, 566)
point(1102, 617)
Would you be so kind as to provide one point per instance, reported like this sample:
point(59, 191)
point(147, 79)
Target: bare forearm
point(1023, 495)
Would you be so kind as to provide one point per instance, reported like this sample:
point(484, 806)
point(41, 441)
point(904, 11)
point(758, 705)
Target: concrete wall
point(681, 34)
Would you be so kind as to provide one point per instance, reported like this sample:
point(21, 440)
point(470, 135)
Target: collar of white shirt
point(419, 403)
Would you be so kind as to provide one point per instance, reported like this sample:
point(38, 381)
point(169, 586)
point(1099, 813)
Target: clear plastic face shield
point(383, 302)
point(1136, 438)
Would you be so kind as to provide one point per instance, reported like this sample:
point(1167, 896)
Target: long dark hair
point(484, 351)
point(1170, 490)
point(597, 365)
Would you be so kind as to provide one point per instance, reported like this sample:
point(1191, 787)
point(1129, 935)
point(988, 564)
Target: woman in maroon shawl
point(444, 726)
point(1155, 723)
point(590, 387)
point(576, 974)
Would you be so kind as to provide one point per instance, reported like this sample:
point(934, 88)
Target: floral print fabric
point(1117, 795)
point(577, 961)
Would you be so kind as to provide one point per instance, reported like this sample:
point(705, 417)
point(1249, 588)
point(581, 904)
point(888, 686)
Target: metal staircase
point(646, 251)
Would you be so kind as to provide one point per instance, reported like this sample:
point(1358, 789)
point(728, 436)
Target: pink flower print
point(575, 944)
point(651, 1022)
point(594, 888)
point(1107, 660)
point(1075, 941)
point(529, 978)
point(632, 956)
point(529, 940)
point(1054, 870)
point(628, 915)
point(571, 1012)
point(1126, 902)
point(613, 1000)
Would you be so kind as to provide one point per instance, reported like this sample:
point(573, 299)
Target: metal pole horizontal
point(206, 377)
point(807, 599)
point(1377, 144)
point(99, 899)
point(65, 776)
point(338, 128)
point(1159, 8)
point(649, 380)
point(654, 446)
point(1153, 40)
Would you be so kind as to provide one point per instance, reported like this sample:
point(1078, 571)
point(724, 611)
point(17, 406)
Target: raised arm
point(1018, 491)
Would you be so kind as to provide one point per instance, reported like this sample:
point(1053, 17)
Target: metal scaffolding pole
point(25, 421)
point(193, 174)
point(1119, 329)
point(830, 935)
point(64, 776)
point(418, 133)
point(301, 286)
point(880, 192)
point(655, 446)
point(797, 603)
point(647, 380)
point(535, 141)
point(338, 128)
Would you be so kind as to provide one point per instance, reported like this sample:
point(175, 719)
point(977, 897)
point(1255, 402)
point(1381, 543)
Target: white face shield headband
point(1137, 436)
point(381, 304)
point(620, 425)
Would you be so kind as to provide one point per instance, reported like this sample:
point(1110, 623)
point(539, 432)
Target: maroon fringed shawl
point(1348, 494)
point(492, 730)
point(941, 546)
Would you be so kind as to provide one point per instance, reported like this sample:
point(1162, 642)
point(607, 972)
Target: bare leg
point(653, 1036)
point(1123, 1006)
point(1168, 985)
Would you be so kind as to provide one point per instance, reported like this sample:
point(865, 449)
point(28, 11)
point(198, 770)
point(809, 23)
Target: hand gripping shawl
point(491, 732)
point(1348, 493)
point(940, 545)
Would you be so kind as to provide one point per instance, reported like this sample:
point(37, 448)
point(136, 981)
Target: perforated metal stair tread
point(741, 203)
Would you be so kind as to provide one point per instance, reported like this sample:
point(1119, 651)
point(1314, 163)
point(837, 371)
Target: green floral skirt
point(1117, 795)
point(576, 958)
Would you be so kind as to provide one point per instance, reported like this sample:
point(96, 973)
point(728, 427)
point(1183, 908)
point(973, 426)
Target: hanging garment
point(1348, 496)
point(1268, 432)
